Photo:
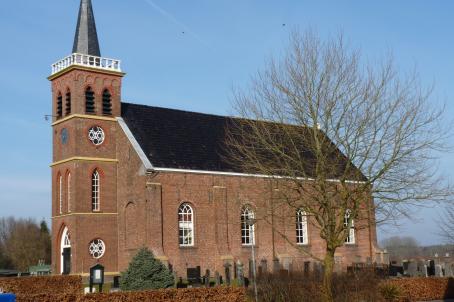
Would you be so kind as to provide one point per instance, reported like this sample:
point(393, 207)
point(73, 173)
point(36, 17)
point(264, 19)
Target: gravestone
point(448, 270)
point(412, 269)
point(421, 271)
point(276, 266)
point(307, 267)
point(207, 278)
point(217, 276)
point(405, 264)
point(438, 271)
point(239, 273)
point(227, 272)
point(193, 274)
point(264, 265)
point(431, 268)
point(425, 271)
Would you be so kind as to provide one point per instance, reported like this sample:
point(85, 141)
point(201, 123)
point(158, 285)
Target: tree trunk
point(328, 275)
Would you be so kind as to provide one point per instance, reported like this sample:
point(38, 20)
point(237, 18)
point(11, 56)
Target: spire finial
point(86, 39)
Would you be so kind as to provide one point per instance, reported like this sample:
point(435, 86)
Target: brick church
point(126, 176)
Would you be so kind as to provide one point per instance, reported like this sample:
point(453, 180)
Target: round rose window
point(97, 248)
point(96, 135)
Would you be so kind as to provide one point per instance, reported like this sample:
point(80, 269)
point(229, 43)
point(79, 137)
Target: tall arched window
point(89, 100)
point(65, 252)
point(247, 229)
point(95, 191)
point(350, 224)
point(106, 103)
point(68, 103)
point(60, 193)
point(68, 191)
point(301, 227)
point(59, 106)
point(186, 225)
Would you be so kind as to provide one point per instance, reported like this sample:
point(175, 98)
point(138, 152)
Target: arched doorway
point(65, 250)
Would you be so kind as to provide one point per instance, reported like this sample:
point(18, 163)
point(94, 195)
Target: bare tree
point(343, 140)
point(446, 224)
point(401, 248)
point(23, 243)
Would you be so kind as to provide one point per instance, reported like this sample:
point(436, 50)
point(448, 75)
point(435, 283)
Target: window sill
point(303, 244)
point(187, 247)
point(351, 244)
point(249, 246)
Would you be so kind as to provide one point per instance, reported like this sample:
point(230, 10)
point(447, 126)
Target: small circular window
point(96, 135)
point(97, 248)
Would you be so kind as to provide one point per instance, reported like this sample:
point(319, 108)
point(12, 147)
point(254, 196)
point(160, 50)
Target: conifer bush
point(146, 272)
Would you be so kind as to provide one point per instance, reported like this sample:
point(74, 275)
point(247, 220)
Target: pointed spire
point(86, 39)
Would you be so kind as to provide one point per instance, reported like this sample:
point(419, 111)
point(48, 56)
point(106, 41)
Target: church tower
point(86, 101)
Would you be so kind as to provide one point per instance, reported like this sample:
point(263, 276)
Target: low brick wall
point(42, 285)
point(424, 289)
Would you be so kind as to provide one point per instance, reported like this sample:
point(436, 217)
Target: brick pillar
point(155, 237)
point(221, 214)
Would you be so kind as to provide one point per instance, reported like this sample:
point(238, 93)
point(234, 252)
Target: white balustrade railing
point(86, 60)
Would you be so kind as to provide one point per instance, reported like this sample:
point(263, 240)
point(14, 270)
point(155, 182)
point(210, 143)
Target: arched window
point(349, 223)
point(89, 101)
point(65, 252)
point(247, 228)
point(301, 227)
point(68, 191)
point(186, 225)
point(60, 194)
point(106, 103)
point(59, 106)
point(95, 191)
point(68, 103)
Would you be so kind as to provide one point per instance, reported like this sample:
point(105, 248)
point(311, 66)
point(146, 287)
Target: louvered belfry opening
point(106, 103)
point(68, 103)
point(89, 101)
point(59, 106)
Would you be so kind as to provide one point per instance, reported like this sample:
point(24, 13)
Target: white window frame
point(301, 228)
point(351, 232)
point(68, 192)
point(247, 230)
point(65, 243)
point(60, 193)
point(95, 191)
point(186, 234)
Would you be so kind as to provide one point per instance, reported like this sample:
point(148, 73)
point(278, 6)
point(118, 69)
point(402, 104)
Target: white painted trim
point(146, 162)
point(244, 174)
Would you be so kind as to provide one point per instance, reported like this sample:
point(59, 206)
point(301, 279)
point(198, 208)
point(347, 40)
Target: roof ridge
point(180, 110)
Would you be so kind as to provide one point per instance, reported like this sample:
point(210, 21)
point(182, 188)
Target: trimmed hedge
point(55, 285)
point(48, 298)
point(218, 294)
point(423, 289)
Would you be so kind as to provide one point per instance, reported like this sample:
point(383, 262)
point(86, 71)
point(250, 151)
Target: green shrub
point(146, 272)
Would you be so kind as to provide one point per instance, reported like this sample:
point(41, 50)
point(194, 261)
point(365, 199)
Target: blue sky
point(223, 44)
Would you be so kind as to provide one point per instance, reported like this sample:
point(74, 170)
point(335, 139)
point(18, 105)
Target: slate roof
point(187, 140)
point(178, 139)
